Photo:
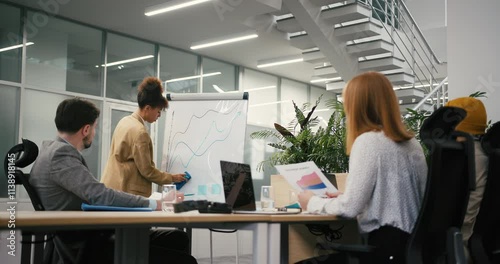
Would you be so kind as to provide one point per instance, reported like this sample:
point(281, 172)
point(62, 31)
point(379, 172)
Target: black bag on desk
point(203, 206)
point(217, 208)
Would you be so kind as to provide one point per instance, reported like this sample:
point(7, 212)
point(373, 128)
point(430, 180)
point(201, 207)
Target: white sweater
point(385, 186)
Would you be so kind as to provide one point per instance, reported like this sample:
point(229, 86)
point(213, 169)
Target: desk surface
point(268, 234)
point(80, 218)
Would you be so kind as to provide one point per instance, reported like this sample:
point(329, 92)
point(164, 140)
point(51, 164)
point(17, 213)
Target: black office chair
point(484, 244)
point(436, 237)
point(21, 156)
point(451, 177)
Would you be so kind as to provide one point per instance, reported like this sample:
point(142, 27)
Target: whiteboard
point(200, 131)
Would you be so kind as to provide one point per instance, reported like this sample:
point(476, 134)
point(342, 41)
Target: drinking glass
point(169, 198)
point(267, 197)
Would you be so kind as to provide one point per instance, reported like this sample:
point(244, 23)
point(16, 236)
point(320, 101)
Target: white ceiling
point(185, 26)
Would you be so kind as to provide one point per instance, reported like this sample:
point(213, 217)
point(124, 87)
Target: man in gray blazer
point(63, 181)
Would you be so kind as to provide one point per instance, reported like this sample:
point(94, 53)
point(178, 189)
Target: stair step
point(289, 25)
point(401, 78)
point(382, 64)
point(370, 48)
point(302, 42)
point(358, 31)
point(409, 95)
point(335, 87)
point(325, 2)
point(346, 13)
point(314, 57)
point(326, 72)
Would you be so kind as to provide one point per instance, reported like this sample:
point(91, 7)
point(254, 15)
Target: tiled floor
point(245, 259)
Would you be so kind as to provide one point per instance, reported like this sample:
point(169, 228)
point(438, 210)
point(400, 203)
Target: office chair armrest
point(455, 246)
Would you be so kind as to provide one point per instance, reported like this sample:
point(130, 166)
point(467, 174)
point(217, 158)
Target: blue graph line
point(200, 117)
point(194, 152)
point(213, 125)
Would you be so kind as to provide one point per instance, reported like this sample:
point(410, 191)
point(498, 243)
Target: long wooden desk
point(270, 232)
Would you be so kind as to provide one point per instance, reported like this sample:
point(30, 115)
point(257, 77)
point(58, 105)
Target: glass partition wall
point(64, 56)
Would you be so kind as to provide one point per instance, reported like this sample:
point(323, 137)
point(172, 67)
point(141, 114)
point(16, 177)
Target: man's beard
point(86, 142)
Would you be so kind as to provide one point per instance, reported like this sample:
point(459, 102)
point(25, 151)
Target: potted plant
point(299, 142)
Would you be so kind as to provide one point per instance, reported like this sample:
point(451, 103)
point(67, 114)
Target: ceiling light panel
point(279, 61)
point(224, 40)
point(15, 46)
point(171, 6)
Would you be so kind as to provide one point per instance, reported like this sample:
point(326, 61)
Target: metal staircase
point(345, 38)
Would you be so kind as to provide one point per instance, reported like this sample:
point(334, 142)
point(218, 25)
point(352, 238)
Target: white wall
point(473, 41)
point(428, 13)
point(430, 16)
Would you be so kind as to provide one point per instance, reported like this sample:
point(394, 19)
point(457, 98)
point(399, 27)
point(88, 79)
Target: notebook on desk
point(239, 192)
point(88, 207)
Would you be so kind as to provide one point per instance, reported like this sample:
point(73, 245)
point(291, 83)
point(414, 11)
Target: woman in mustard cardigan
point(130, 167)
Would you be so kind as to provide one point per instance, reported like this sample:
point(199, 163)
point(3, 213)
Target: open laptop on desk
point(238, 189)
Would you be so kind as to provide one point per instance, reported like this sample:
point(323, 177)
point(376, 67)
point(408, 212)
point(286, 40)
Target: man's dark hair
point(73, 114)
point(151, 93)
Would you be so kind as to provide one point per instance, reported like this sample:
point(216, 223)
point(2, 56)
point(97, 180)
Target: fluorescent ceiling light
point(279, 61)
point(217, 88)
point(261, 88)
point(127, 61)
point(16, 46)
point(224, 40)
point(327, 80)
point(193, 77)
point(170, 6)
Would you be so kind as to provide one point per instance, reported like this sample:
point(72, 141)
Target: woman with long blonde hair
point(387, 169)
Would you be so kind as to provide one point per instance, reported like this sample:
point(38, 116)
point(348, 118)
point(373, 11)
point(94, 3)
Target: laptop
point(238, 189)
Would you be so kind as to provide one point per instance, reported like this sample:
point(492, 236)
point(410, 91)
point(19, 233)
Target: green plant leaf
point(284, 132)
point(325, 146)
point(478, 94)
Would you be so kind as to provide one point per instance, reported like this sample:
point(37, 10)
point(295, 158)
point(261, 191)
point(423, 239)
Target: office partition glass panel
point(179, 70)
point(218, 77)
point(291, 91)
point(160, 138)
point(128, 62)
point(262, 114)
point(10, 43)
point(322, 111)
point(64, 56)
point(38, 124)
point(9, 114)
point(263, 98)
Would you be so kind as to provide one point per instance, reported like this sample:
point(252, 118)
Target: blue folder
point(88, 207)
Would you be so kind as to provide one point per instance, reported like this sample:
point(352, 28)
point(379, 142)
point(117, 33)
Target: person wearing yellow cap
point(475, 124)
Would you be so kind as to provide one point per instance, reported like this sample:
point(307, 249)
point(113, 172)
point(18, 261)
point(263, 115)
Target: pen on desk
point(188, 194)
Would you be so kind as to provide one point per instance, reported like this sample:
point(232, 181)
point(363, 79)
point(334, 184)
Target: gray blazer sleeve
point(69, 171)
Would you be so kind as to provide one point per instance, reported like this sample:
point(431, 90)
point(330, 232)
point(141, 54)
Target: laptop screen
point(238, 185)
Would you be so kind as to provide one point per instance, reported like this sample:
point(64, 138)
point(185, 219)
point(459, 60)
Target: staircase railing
point(411, 44)
point(437, 97)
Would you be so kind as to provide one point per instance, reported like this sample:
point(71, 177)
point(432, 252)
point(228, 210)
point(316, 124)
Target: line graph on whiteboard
point(198, 134)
